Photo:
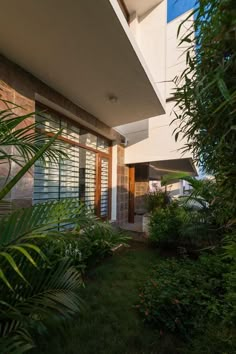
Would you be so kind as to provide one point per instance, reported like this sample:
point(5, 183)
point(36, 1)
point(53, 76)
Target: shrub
point(157, 200)
point(85, 247)
point(182, 294)
point(165, 225)
point(216, 339)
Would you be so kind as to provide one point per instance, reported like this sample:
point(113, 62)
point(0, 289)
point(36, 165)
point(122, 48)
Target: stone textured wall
point(21, 88)
point(141, 189)
point(122, 187)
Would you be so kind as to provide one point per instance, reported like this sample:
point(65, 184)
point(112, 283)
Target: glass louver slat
point(104, 200)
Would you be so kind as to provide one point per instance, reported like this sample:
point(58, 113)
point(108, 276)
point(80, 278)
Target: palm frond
point(25, 138)
point(52, 294)
point(41, 217)
point(7, 188)
point(18, 343)
point(21, 229)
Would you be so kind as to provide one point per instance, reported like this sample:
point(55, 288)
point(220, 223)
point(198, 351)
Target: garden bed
point(109, 322)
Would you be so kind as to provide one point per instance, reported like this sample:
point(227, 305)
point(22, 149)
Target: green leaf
point(12, 263)
point(22, 250)
point(28, 165)
point(3, 277)
point(223, 88)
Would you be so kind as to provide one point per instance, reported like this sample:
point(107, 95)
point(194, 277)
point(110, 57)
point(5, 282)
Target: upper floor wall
point(147, 22)
point(160, 144)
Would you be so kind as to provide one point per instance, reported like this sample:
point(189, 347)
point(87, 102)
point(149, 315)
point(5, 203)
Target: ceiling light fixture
point(113, 98)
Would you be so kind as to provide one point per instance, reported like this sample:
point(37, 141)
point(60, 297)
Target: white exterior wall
point(149, 31)
point(152, 43)
point(160, 145)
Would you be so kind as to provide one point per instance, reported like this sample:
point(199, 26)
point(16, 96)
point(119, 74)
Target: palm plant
point(23, 144)
point(206, 217)
point(39, 288)
point(205, 94)
point(32, 289)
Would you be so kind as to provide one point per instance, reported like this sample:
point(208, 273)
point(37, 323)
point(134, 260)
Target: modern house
point(103, 71)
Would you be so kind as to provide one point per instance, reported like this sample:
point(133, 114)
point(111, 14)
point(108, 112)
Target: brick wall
point(21, 88)
point(122, 187)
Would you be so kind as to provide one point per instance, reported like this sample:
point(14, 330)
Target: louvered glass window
point(75, 177)
point(46, 182)
point(87, 177)
point(69, 173)
point(104, 187)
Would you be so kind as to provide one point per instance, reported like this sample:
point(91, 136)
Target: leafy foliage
point(216, 339)
point(49, 294)
point(41, 270)
point(21, 139)
point(22, 143)
point(21, 229)
point(206, 93)
point(194, 297)
point(181, 294)
point(85, 247)
point(33, 287)
point(156, 200)
point(39, 283)
point(203, 219)
point(165, 225)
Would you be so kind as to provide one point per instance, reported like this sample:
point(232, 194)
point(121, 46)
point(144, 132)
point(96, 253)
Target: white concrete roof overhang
point(160, 168)
point(83, 49)
point(140, 6)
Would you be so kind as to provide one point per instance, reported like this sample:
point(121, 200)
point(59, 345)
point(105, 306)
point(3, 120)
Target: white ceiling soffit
point(141, 6)
point(169, 166)
point(134, 132)
point(84, 50)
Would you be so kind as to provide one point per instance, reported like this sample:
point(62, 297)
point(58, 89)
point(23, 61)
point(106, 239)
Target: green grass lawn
point(109, 323)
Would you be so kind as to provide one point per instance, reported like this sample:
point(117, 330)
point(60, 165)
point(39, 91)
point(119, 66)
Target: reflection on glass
point(88, 139)
point(104, 187)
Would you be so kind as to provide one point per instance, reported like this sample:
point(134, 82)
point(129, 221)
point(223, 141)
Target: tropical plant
point(205, 93)
point(41, 263)
point(23, 143)
point(208, 216)
point(40, 260)
point(157, 199)
point(32, 289)
point(181, 295)
point(165, 225)
point(87, 246)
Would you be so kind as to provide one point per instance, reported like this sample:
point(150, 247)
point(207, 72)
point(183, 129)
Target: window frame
point(41, 108)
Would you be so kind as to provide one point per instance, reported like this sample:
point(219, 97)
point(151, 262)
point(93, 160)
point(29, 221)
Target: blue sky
point(176, 8)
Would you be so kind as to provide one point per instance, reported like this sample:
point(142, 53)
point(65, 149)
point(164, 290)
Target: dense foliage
point(157, 200)
point(41, 262)
point(40, 267)
point(165, 224)
point(85, 247)
point(194, 221)
point(206, 93)
point(196, 299)
point(22, 143)
point(182, 296)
